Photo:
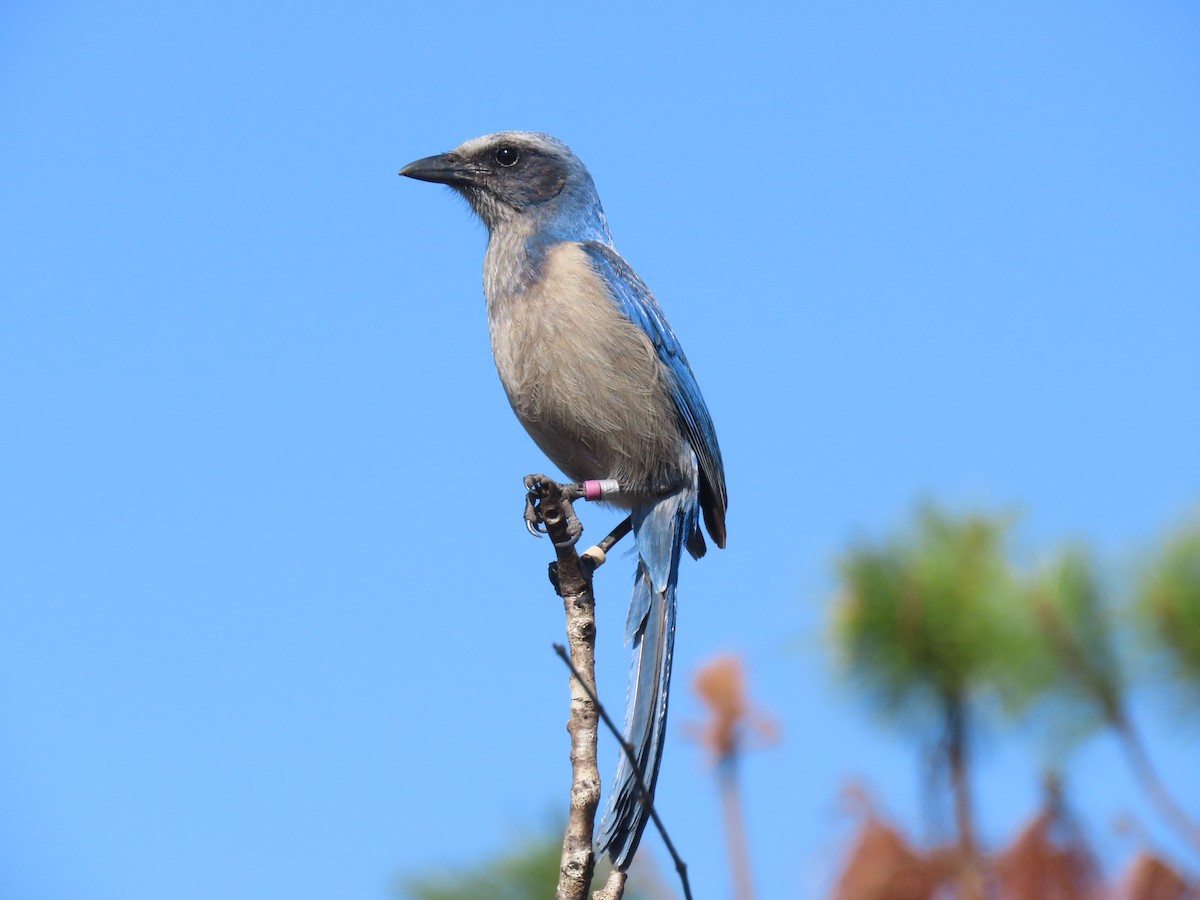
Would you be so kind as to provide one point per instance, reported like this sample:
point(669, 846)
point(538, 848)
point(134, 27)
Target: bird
point(600, 382)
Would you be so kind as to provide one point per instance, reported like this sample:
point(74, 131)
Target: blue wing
point(636, 301)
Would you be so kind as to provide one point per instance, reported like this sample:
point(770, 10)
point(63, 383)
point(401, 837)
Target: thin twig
point(627, 749)
point(735, 829)
point(614, 888)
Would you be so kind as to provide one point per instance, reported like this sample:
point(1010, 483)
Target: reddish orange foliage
point(1149, 878)
point(882, 865)
point(1048, 860)
point(721, 684)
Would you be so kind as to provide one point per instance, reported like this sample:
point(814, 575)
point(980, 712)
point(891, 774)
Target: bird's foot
point(536, 487)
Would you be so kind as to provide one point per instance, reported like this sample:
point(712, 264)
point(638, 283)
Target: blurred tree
point(1071, 669)
point(938, 630)
point(721, 685)
point(923, 626)
point(527, 872)
point(882, 865)
point(1149, 878)
point(1168, 608)
point(1075, 669)
point(1049, 859)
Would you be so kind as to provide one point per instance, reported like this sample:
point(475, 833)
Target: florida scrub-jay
point(598, 379)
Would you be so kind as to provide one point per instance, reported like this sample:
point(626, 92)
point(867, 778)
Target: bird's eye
point(507, 157)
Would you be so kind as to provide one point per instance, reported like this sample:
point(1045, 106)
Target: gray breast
point(585, 381)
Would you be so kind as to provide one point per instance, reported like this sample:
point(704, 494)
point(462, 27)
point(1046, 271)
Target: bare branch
point(627, 749)
point(572, 581)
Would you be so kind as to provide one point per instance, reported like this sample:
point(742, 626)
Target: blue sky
point(913, 250)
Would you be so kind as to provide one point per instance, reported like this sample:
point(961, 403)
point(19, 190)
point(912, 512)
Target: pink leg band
point(594, 490)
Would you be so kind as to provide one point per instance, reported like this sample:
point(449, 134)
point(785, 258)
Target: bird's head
point(516, 175)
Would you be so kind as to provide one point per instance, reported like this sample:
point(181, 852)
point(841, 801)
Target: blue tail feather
point(662, 530)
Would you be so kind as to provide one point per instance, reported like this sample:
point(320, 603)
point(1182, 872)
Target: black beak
point(444, 168)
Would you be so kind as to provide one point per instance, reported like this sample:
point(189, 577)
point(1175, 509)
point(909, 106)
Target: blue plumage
point(638, 303)
point(599, 380)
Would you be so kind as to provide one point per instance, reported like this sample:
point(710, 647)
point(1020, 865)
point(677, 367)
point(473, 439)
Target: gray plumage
point(598, 379)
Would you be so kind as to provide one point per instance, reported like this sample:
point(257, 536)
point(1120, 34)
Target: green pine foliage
point(926, 616)
point(1168, 609)
point(527, 871)
point(1071, 681)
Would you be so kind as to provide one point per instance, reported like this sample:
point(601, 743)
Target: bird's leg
point(610, 540)
point(596, 555)
point(608, 488)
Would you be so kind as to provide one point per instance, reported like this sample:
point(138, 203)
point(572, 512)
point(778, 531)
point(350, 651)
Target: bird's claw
point(533, 516)
point(574, 526)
